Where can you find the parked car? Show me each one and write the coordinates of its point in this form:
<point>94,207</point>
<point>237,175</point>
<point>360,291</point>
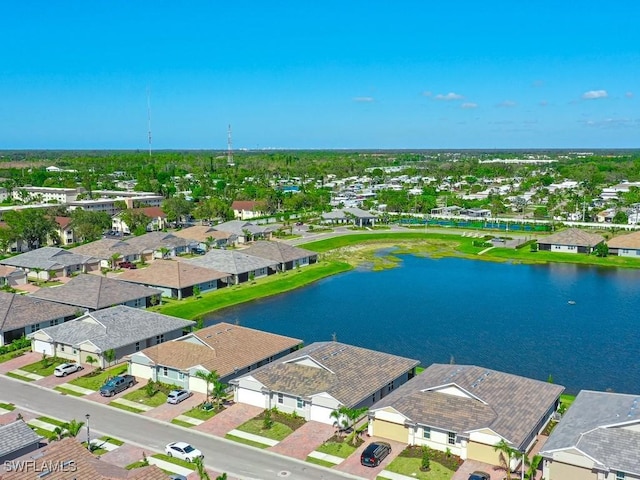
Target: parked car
<point>374,454</point>
<point>117,385</point>
<point>65,369</point>
<point>177,476</point>
<point>129,265</point>
<point>198,251</point>
<point>183,451</point>
<point>176,396</point>
<point>479,476</point>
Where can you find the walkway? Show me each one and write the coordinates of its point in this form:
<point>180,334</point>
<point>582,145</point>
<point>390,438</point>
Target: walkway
<point>168,412</point>
<point>230,418</point>
<point>304,440</point>
<point>19,362</point>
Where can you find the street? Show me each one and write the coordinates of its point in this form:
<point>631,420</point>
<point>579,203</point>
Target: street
<point>238,460</point>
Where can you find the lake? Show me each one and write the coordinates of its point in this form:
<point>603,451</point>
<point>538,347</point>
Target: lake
<point>513,318</point>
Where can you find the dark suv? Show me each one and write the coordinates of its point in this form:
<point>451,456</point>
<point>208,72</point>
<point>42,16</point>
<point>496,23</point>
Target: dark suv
<point>374,454</point>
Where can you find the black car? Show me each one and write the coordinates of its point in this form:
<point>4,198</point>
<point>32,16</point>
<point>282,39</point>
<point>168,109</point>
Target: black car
<point>374,454</point>
<point>479,476</point>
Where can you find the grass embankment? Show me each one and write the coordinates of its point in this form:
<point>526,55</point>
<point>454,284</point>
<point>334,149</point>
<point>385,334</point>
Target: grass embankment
<point>264,287</point>
<point>13,354</point>
<point>95,379</point>
<point>44,367</point>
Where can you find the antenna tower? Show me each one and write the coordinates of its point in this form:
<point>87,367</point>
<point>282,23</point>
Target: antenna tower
<point>149,118</point>
<point>230,162</point>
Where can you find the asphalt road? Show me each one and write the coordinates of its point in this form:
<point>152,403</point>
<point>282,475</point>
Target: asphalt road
<point>247,463</point>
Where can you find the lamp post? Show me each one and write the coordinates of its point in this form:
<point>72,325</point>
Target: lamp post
<point>88,432</point>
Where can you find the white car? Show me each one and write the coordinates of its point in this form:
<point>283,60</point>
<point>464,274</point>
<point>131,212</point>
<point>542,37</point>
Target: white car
<point>176,396</point>
<point>183,451</point>
<point>65,369</point>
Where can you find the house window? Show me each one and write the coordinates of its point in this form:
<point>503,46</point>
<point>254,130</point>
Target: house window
<point>159,338</point>
<point>62,348</point>
<point>55,321</point>
<point>34,328</point>
<point>451,440</point>
<point>300,402</point>
<point>389,386</point>
<point>619,475</point>
<point>137,346</point>
<point>280,398</point>
<point>165,371</point>
<point>181,375</point>
<point>426,432</point>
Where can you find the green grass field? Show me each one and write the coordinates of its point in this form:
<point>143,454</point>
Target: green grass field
<point>94,382</point>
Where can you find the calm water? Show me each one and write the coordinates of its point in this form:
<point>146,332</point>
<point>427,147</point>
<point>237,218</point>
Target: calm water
<point>513,318</point>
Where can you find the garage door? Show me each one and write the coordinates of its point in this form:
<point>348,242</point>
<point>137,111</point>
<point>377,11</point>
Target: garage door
<point>390,430</point>
<point>251,397</point>
<point>482,452</point>
<point>43,347</point>
<point>140,371</point>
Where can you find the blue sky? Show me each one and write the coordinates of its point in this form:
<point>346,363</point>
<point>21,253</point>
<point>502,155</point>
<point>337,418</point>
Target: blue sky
<point>332,74</point>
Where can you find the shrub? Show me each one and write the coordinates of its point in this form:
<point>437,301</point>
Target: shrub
<point>267,421</point>
<point>425,464</point>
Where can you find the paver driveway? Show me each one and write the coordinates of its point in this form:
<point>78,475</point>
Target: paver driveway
<point>304,440</point>
<point>352,464</point>
<point>230,418</point>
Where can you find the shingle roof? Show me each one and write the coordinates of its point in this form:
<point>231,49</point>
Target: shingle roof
<point>15,436</point>
<point>595,424</point>
<point>231,261</point>
<point>237,227</point>
<point>277,251</point>
<point>630,240</point>
<point>249,205</point>
<point>223,347</point>
<point>157,240</point>
<point>19,311</point>
<point>201,233</point>
<point>573,236</point>
<point>171,274</point>
<point>105,248</point>
<point>508,404</point>
<point>95,292</point>
<point>48,258</point>
<point>349,374</point>
<point>85,465</point>
<point>115,327</point>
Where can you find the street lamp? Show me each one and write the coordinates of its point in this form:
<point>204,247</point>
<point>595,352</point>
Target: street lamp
<point>88,432</point>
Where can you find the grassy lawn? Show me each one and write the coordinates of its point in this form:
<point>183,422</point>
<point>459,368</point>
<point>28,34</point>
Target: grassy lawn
<point>52,421</point>
<point>140,396</point>
<point>112,440</point>
<point>125,407</point>
<point>18,377</point>
<point>200,414</point>
<point>211,301</point>
<point>278,431</point>
<point>42,432</point>
<point>339,449</point>
<point>16,353</point>
<point>322,463</point>
<point>411,468</point>
<point>138,464</point>
<point>45,370</point>
<point>8,406</point>
<point>175,421</point>
<point>245,441</point>
<point>567,400</point>
<point>66,391</point>
<point>93,381</point>
<point>175,461</point>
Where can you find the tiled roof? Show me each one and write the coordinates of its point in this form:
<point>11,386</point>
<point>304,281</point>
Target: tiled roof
<point>595,424</point>
<point>508,404</point>
<point>277,251</point>
<point>115,327</point>
<point>63,222</point>
<point>48,258</point>
<point>231,261</point>
<point>15,436</point>
<point>6,270</point>
<point>573,236</point>
<point>105,248</point>
<point>85,465</point>
<point>95,292</point>
<point>630,241</point>
<point>349,374</point>
<point>151,212</point>
<point>19,311</point>
<point>171,274</point>
<point>223,347</point>
<point>201,233</point>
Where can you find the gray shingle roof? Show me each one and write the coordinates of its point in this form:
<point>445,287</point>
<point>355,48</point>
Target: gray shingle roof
<point>508,404</point>
<point>594,424</point>
<point>278,251</point>
<point>115,327</point>
<point>19,311</point>
<point>231,261</point>
<point>95,292</point>
<point>15,436</point>
<point>48,258</point>
<point>573,236</point>
<point>156,240</point>
<point>349,374</point>
<point>237,227</point>
<point>106,247</point>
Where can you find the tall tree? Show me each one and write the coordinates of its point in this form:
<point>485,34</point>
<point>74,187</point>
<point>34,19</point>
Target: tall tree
<point>176,208</point>
<point>32,225</point>
<point>209,378</point>
<point>88,226</point>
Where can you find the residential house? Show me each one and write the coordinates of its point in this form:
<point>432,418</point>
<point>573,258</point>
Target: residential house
<point>124,330</point>
<point>467,410</point>
<point>21,315</point>
<point>598,438</point>
<point>17,439</point>
<point>447,211</point>
<point>69,459</point>
<point>287,256</point>
<point>476,212</point>
<point>176,279</point>
<point>157,220</point>
<point>159,245</point>
<point>48,262</point>
<point>571,240</point>
<point>354,215</point>
<point>207,237</point>
<point>229,350</point>
<point>322,377</point>
<point>606,216</point>
<point>65,230</point>
<point>95,292</point>
<point>248,209</point>
<point>625,245</point>
<point>246,231</point>
<point>11,276</point>
<point>112,251</point>
<point>239,266</point>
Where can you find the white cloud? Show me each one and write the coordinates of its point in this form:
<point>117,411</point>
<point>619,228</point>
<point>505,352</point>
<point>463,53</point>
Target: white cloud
<point>629,94</point>
<point>469,105</point>
<point>593,94</point>
<point>363,99</point>
<point>507,104</point>
<point>449,96</point>
<point>612,123</point>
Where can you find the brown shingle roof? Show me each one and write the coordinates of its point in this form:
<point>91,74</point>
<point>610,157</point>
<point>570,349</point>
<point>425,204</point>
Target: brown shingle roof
<point>171,274</point>
<point>84,465</point>
<point>249,205</point>
<point>18,311</point>
<point>573,236</point>
<point>278,251</point>
<point>63,222</point>
<point>201,233</point>
<point>508,404</point>
<point>630,241</point>
<point>224,348</point>
<point>151,212</point>
<point>349,374</point>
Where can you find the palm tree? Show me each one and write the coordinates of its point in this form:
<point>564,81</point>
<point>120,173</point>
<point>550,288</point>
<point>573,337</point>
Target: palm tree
<point>164,251</point>
<point>209,377</point>
<point>201,469</point>
<point>218,391</point>
<point>341,422</point>
<point>114,260</point>
<point>70,429</point>
<point>222,477</point>
<point>507,452</point>
<point>534,463</point>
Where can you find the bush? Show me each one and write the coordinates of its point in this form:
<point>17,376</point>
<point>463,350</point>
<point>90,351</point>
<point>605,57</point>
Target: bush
<point>18,344</point>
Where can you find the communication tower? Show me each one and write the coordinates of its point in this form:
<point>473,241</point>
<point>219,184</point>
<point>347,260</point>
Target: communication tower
<point>149,118</point>
<point>230,162</point>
